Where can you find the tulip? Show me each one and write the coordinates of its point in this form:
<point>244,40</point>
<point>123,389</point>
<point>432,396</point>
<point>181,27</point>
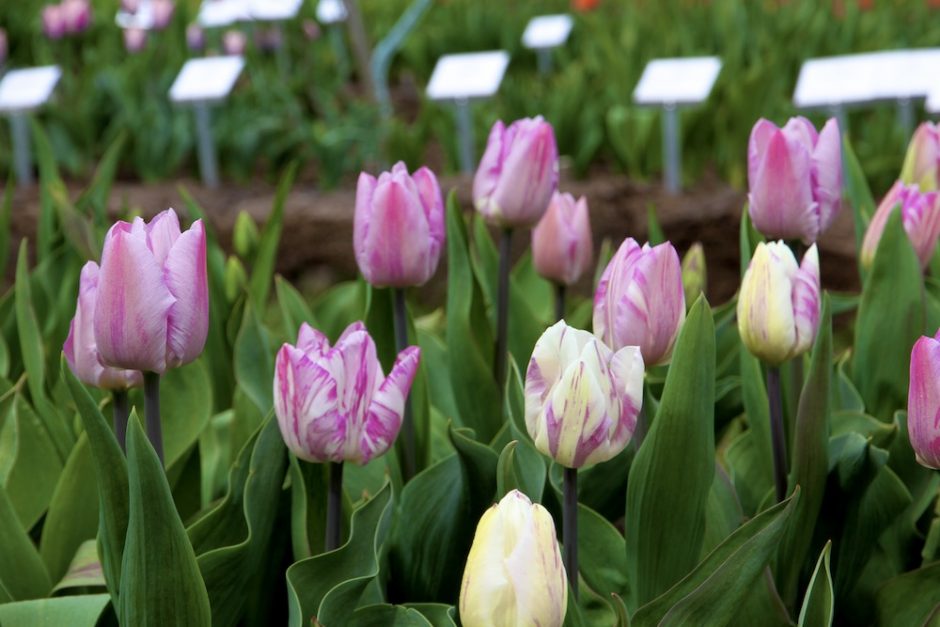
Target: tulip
<point>517,174</point>
<point>135,39</point>
<point>640,301</point>
<point>562,248</point>
<point>311,29</point>
<point>922,161</point>
<point>923,401</point>
<point>130,6</point>
<point>778,306</point>
<point>81,351</point>
<point>920,213</point>
<point>334,404</point>
<point>162,13</point>
<point>234,42</point>
<point>269,39</point>
<point>195,38</point>
<point>514,574</point>
<point>694,272</point>
<point>581,398</point>
<point>795,178</point>
<point>76,15</point>
<point>398,227</point>
<point>152,311</point>
<point>4,46</point>
<point>53,21</point>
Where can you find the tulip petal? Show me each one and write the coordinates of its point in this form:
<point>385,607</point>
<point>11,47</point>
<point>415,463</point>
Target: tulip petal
<point>185,275</point>
<point>388,405</point>
<point>827,173</point>
<point>765,308</point>
<point>162,232</point>
<point>305,402</point>
<point>311,341</point>
<point>781,199</point>
<point>806,301</point>
<point>923,403</point>
<point>489,170</point>
<point>626,372</point>
<point>878,222</point>
<point>433,202</point>
<point>396,245</point>
<point>362,220</point>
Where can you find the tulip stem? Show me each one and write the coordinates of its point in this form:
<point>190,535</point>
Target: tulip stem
<point>502,311</point>
<point>407,424</point>
<point>334,505</point>
<point>777,433</point>
<point>121,411</point>
<point>559,301</point>
<point>569,531</point>
<point>152,412</point>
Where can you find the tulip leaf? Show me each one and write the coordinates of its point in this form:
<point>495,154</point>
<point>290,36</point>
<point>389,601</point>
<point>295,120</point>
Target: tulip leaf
<point>748,239</point>
<point>912,598</point>
<point>856,192</point>
<point>468,338</point>
<point>819,602</point>
<point>673,471</point>
<point>254,364</point>
<point>22,572</point>
<point>294,309</point>
<point>84,571</point>
<point>185,408</point>
<point>161,583</point>
<point>654,231</point>
<point>6,214</point>
<point>94,199</point>
<point>757,408</point>
<point>83,610</point>
<point>262,271</point>
<point>312,582</point>
<point>894,290</point>
<point>48,174</point>
<point>384,615</point>
<point>438,614</point>
<point>338,306</point>
<point>601,555</point>
<point>528,467</point>
<point>712,592</point>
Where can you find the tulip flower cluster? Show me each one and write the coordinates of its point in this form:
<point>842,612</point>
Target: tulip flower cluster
<point>69,17</point>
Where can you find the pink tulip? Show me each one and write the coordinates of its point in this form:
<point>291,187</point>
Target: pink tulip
<point>80,349</point>
<point>76,15</point>
<point>398,227</point>
<point>640,300</point>
<point>795,178</point>
<point>53,21</point>
<point>923,401</point>
<point>152,312</point>
<point>922,161</point>
<point>195,38</point>
<point>162,13</point>
<point>135,39</point>
<point>920,213</point>
<point>518,173</point>
<point>562,248</point>
<point>334,404</point>
<point>130,6</point>
<point>234,42</point>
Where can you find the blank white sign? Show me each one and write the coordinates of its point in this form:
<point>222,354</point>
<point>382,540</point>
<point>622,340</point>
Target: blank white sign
<point>29,88</point>
<point>142,18</point>
<point>275,10</point>
<point>222,13</point>
<point>331,11</point>
<point>678,81</point>
<point>206,80</point>
<point>469,75</point>
<point>547,31</point>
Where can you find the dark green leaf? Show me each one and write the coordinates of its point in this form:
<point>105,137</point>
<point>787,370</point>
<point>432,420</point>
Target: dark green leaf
<point>76,611</point>
<point>22,573</point>
<point>819,602</point>
<point>254,361</point>
<point>262,271</point>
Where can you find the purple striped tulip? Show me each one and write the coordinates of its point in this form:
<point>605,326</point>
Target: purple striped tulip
<point>195,38</point>
<point>398,227</point>
<point>76,16</point>
<point>152,311</point>
<point>562,248</point>
<point>162,13</point>
<point>334,404</point>
<point>81,351</point>
<point>581,398</point>
<point>920,213</point>
<point>640,300</point>
<point>778,306</point>
<point>923,401</point>
<point>53,21</point>
<point>795,178</point>
<point>922,161</point>
<point>517,174</point>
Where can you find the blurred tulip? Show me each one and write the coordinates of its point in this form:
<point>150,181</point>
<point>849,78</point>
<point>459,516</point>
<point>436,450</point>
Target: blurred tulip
<point>235,280</point>
<point>76,16</point>
<point>517,174</point>
<point>778,306</point>
<point>694,273</point>
<point>581,398</point>
<point>245,235</point>
<point>398,227</point>
<point>923,401</point>
<point>234,42</point>
<point>195,38</point>
<point>135,39</point>
<point>922,161</point>
<point>152,311</point>
<point>53,21</point>
<point>920,213</point>
<point>514,573</point>
<point>640,301</point>
<point>81,351</point>
<point>562,248</point>
<point>130,6</point>
<point>311,29</point>
<point>4,46</point>
<point>162,13</point>
<point>795,178</point>
<point>269,39</point>
<point>334,404</point>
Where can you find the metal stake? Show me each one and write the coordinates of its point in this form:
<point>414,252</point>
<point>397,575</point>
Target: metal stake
<point>465,130</point>
<point>544,56</point>
<point>205,146</point>
<point>672,160</point>
<point>22,157</point>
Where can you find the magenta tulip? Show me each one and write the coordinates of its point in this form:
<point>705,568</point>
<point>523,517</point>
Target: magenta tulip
<point>795,178</point>
<point>152,311</point>
<point>562,248</point>
<point>398,227</point>
<point>53,21</point>
<point>333,404</point>
<point>162,13</point>
<point>923,401</point>
<point>195,38</point>
<point>920,213</point>
<point>76,16</point>
<point>234,42</point>
<point>135,39</point>
<point>517,174</point>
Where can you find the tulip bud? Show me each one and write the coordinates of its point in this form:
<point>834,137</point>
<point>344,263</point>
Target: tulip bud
<point>518,173</point>
<point>778,306</point>
<point>334,404</point>
<point>562,248</point>
<point>923,401</point>
<point>195,38</point>
<point>795,178</point>
<point>311,29</point>
<point>236,279</point>
<point>514,573</point>
<point>639,300</point>
<point>581,398</point>
<point>53,21</point>
<point>245,235</point>
<point>76,15</point>
<point>152,311</point>
<point>398,227</point>
<point>694,273</point>
<point>80,349</point>
<point>922,161</point>
<point>920,213</point>
<point>162,13</point>
<point>135,39</point>
<point>234,42</point>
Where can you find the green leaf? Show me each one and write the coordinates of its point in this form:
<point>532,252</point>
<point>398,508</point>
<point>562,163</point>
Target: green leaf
<point>294,309</point>
<point>22,573</point>
<point>893,291</point>
<point>527,471</point>
<point>654,232</point>
<point>84,571</point>
<point>185,408</point>
<point>819,602</point>
<point>857,192</point>
<point>76,611</point>
<point>602,557</point>
<point>438,614</point>
<point>254,362</point>
<point>6,213</point>
<point>384,615</point>
<point>95,196</point>
<point>48,176</point>
<point>757,408</point>
<point>161,582</point>
<point>262,271</point>
<point>912,598</point>
<point>673,471</point>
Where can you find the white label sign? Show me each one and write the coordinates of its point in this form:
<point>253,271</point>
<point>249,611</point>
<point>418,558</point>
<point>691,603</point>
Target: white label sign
<point>547,31</point>
<point>28,89</point>
<point>331,11</point>
<point>222,13</point>
<point>206,80</point>
<point>470,75</point>
<point>275,10</point>
<point>142,18</point>
<point>677,81</point>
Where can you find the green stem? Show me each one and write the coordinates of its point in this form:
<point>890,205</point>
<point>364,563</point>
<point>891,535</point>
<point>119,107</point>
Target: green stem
<point>152,412</point>
<point>121,412</point>
<point>570,528</point>
<point>334,506</point>
<point>407,424</point>
<point>777,432</point>
<point>559,301</point>
<point>502,311</point>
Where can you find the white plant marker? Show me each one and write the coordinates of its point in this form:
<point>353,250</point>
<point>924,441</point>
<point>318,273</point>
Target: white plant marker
<point>21,92</point>
<point>545,33</point>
